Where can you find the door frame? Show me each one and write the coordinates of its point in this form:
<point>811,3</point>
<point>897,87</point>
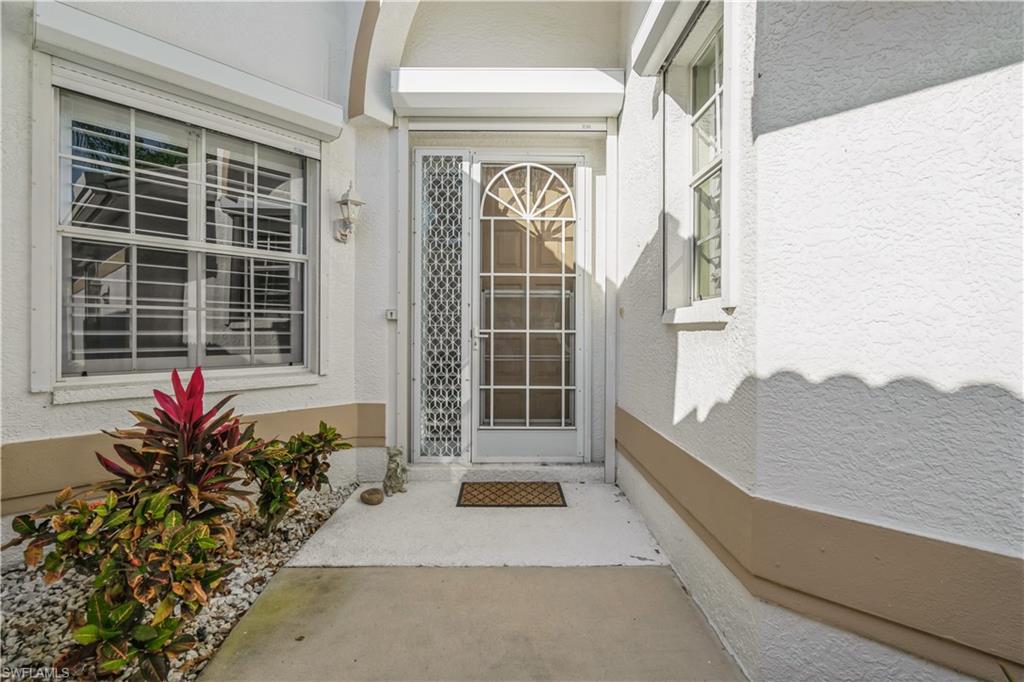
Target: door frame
<point>473,158</point>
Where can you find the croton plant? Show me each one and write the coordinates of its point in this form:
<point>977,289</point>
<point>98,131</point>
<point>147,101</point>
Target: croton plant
<point>286,468</point>
<point>157,539</point>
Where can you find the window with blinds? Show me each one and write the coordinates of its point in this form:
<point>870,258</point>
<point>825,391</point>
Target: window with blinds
<point>180,246</point>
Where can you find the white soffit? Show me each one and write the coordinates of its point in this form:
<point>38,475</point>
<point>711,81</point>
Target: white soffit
<point>73,34</point>
<point>658,32</point>
<point>487,92</point>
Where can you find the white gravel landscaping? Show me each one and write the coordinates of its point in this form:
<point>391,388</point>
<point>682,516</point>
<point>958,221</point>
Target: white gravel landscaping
<point>35,616</point>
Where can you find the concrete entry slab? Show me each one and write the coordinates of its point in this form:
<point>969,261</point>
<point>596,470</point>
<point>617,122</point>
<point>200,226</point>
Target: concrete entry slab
<point>516,623</point>
<point>423,527</point>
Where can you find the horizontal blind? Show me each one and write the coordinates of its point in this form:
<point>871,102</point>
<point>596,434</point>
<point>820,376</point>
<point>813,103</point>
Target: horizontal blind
<point>180,246</point>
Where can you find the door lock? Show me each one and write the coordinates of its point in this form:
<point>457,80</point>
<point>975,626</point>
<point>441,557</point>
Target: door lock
<point>476,335</point>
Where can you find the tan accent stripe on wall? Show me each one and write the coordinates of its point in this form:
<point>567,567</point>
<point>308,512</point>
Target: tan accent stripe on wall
<point>956,605</point>
<point>32,471</point>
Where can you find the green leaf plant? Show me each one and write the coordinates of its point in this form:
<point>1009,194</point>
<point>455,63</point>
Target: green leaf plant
<point>156,538</point>
<point>286,468</point>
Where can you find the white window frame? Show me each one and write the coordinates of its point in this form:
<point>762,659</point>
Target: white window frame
<point>49,76</point>
<point>686,311</point>
<point>699,175</point>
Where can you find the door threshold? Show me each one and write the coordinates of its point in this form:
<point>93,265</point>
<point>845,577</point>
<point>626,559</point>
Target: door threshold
<point>561,473</point>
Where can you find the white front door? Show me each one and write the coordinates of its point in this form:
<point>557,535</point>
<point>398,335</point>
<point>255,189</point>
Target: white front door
<point>526,349</point>
<point>497,308</point>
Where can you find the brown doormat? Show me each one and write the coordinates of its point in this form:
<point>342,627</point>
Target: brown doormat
<point>511,494</point>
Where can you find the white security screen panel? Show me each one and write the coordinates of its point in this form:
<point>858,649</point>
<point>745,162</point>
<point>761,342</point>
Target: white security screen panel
<point>441,356</point>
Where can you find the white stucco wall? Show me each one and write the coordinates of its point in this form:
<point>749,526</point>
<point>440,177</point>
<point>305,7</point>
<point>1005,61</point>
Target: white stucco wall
<point>873,367</point>
<point>303,45</point>
<point>508,34</point>
<point>889,265</point>
<point>309,35</point>
<point>798,649</point>
<point>691,386</point>
<point>373,269</point>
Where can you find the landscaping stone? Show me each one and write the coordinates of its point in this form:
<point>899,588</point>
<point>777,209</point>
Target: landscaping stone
<point>35,616</point>
<point>372,497</point>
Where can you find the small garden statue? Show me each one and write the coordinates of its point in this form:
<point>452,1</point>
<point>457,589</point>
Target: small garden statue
<point>396,474</point>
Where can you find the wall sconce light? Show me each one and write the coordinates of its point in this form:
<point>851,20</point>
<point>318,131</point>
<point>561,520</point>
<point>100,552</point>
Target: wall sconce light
<point>350,203</point>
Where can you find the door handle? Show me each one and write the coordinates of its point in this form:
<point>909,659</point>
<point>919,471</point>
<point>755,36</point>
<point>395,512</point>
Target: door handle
<point>476,335</point>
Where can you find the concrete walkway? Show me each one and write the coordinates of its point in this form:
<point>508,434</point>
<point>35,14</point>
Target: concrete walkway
<point>423,527</point>
<point>523,623</point>
<point>419,589</point>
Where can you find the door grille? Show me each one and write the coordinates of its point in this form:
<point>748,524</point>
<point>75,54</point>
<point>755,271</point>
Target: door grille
<point>441,308</point>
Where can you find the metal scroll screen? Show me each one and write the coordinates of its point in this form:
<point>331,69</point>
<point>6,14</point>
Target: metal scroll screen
<point>441,306</point>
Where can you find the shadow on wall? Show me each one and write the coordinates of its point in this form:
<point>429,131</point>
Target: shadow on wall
<point>903,454</point>
<point>858,53</point>
<point>948,464</point>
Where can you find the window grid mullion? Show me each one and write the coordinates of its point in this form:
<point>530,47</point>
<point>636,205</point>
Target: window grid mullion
<point>255,197</point>
<point>716,233</point>
<point>704,107</point>
<point>706,172</point>
<point>102,235</point>
<point>131,172</point>
<point>198,338</point>
<point>252,311</point>
<point>133,305</point>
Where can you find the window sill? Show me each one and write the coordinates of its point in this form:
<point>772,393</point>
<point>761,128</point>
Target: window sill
<point>104,388</point>
<point>699,316</point>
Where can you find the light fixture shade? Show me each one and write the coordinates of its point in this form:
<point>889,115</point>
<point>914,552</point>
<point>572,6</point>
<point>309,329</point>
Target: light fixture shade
<point>350,203</point>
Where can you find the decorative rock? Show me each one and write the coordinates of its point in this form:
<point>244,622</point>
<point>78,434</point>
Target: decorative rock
<point>373,496</point>
<point>396,475</point>
<point>35,628</point>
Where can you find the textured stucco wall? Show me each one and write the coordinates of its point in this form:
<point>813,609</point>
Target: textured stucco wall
<point>29,416</point>
<point>678,381</point>
<point>889,264</point>
<point>688,385</point>
<point>798,649</point>
<point>873,368</point>
<point>502,34</point>
<point>374,249</point>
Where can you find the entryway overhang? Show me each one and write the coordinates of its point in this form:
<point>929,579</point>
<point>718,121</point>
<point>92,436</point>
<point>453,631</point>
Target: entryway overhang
<point>507,92</point>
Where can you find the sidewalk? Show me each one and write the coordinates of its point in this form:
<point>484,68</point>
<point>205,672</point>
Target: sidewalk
<point>522,623</point>
<point>419,589</point>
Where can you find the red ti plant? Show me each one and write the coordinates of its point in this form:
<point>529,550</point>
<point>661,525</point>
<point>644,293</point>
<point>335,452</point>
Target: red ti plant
<point>156,541</point>
<point>193,454</point>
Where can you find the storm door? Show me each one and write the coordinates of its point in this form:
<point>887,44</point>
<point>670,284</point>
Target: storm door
<point>526,348</point>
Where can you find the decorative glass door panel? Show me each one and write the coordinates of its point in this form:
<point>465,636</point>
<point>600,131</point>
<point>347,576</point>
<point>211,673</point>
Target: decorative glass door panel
<point>525,337</point>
